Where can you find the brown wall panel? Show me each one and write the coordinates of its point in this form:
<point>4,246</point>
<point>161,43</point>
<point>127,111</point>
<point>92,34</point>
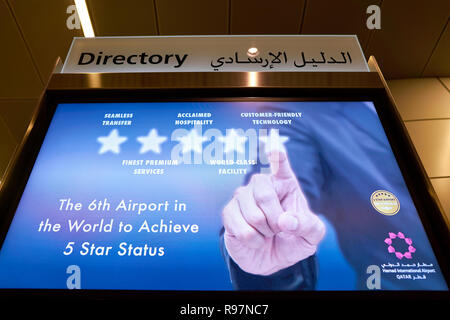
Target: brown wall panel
<point>439,63</point>
<point>409,32</point>
<point>184,17</point>
<point>44,26</point>
<point>338,17</point>
<point>7,146</point>
<point>123,18</point>
<point>266,17</point>
<point>17,115</point>
<point>19,78</point>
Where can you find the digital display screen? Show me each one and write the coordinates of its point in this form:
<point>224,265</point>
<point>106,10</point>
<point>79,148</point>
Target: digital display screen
<point>217,196</point>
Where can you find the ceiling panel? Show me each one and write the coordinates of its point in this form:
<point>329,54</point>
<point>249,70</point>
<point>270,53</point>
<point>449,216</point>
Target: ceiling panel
<point>17,115</point>
<point>421,98</point>
<point>123,18</point>
<point>409,32</point>
<point>432,141</point>
<point>263,17</point>
<point>19,78</point>
<point>44,27</point>
<point>442,188</point>
<point>439,63</point>
<point>196,17</point>
<point>338,17</point>
<point>446,82</point>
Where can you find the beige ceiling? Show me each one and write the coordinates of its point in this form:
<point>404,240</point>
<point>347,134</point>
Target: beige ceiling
<point>414,39</point>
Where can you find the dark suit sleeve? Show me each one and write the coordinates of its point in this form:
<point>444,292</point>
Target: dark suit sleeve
<point>304,156</point>
<point>300,276</point>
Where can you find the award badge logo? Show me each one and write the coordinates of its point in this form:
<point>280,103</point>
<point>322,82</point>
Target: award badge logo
<point>385,202</point>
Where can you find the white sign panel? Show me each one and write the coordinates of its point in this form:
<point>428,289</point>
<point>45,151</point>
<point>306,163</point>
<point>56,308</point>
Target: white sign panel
<point>215,54</point>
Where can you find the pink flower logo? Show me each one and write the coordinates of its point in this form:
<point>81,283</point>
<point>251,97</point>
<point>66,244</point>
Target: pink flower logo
<point>391,248</point>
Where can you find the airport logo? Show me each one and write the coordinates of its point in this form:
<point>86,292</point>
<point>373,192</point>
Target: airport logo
<point>385,202</point>
<point>400,241</point>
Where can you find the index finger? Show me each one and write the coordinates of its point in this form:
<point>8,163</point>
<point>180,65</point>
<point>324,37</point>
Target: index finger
<point>279,165</point>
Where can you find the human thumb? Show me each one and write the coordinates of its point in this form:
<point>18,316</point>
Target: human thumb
<point>287,222</point>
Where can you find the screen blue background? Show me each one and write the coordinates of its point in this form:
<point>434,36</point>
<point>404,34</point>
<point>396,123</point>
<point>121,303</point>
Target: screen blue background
<point>69,166</point>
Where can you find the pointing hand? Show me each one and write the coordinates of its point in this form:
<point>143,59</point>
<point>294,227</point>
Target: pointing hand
<point>268,223</point>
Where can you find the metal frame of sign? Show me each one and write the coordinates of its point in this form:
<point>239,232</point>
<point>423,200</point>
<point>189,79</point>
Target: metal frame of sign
<point>218,53</point>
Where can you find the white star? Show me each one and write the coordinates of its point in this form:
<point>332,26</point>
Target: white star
<point>111,142</point>
<point>274,142</point>
<point>192,141</point>
<point>151,142</point>
<point>233,141</point>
